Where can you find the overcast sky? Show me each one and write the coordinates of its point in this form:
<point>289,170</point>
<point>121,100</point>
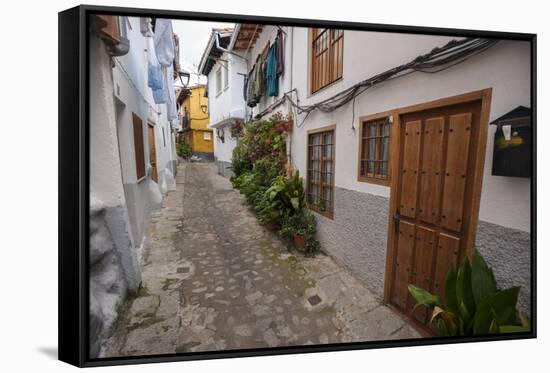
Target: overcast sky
<point>193,36</point>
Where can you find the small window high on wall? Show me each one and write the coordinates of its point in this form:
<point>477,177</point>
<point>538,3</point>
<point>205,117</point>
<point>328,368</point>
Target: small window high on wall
<point>374,151</point>
<point>327,57</point>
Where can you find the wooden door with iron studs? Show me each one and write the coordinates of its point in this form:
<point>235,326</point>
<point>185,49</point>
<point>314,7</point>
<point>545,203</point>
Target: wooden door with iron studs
<point>435,203</point>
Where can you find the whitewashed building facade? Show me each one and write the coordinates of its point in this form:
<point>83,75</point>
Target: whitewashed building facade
<point>132,164</point>
<point>225,70</point>
<point>356,225</point>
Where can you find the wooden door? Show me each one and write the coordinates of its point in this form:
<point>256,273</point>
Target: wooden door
<point>434,199</point>
<point>153,153</point>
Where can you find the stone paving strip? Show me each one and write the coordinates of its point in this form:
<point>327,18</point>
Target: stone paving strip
<point>214,279</point>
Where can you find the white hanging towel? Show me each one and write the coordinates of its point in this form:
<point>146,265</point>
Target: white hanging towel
<point>165,50</point>
<point>164,41</point>
<point>172,112</point>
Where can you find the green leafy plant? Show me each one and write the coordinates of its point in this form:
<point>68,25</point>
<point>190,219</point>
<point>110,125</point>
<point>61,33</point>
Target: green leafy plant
<point>288,193</point>
<point>284,197</point>
<point>258,165</point>
<point>302,224</point>
<point>184,150</point>
<point>473,304</point>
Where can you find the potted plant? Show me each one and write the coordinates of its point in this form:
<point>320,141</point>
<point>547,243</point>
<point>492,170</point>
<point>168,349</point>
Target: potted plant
<point>300,228</point>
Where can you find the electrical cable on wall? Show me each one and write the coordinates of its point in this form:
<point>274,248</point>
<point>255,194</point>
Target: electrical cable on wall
<point>438,59</point>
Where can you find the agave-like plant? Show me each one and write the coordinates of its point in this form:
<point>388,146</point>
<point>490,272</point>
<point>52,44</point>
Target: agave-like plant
<point>473,303</point>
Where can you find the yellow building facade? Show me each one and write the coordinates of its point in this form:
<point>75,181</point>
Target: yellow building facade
<point>195,111</point>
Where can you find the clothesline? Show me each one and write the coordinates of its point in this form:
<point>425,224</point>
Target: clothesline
<point>263,78</point>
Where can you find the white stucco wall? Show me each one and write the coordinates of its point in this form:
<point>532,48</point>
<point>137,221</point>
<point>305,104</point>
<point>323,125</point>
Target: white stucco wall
<point>505,68</point>
<point>132,95</point>
<point>136,97</point>
<point>224,150</point>
<point>105,176</point>
<point>228,103</point>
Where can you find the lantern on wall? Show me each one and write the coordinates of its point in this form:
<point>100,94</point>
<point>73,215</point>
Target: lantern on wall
<point>512,145</point>
<point>220,134</point>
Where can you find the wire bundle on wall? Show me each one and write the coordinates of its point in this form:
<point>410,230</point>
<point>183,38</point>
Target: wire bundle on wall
<point>438,59</point>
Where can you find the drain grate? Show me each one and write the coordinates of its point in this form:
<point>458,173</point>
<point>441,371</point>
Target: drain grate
<point>183,270</point>
<point>314,300</point>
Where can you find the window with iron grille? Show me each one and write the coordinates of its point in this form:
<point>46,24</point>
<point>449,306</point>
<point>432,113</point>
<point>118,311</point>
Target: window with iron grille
<point>327,57</point>
<point>320,172</point>
<point>374,151</point>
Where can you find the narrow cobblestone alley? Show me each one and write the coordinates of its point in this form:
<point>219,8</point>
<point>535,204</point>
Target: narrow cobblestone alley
<point>214,279</point>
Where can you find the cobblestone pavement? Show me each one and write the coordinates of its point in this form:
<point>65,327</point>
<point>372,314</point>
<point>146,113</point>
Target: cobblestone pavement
<point>213,279</point>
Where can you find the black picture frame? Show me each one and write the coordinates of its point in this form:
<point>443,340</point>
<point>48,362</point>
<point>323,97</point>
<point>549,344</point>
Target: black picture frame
<point>74,183</point>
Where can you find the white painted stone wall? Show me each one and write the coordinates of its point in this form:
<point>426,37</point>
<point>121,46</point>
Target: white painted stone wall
<point>133,92</point>
<point>134,96</point>
<point>223,151</point>
<point>226,104</point>
<point>112,261</point>
<point>505,68</point>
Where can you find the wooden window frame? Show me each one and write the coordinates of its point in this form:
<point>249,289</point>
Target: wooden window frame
<point>138,122</point>
<point>334,77</point>
<point>329,213</point>
<point>374,179</point>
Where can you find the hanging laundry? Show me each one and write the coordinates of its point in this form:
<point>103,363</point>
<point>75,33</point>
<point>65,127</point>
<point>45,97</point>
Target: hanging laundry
<point>171,107</point>
<point>280,43</point>
<point>165,51</point>
<point>154,70</point>
<point>272,78</point>
<point>245,88</point>
<point>258,79</point>
<point>251,100</point>
<point>164,41</point>
<point>145,26</point>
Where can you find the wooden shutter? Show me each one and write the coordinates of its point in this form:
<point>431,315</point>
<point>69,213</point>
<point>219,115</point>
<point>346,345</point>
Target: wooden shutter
<point>138,146</point>
<point>327,54</point>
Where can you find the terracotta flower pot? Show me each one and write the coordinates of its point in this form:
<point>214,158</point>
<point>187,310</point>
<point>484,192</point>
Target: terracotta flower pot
<point>299,242</point>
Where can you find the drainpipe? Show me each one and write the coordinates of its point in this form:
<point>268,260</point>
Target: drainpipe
<point>289,147</point>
